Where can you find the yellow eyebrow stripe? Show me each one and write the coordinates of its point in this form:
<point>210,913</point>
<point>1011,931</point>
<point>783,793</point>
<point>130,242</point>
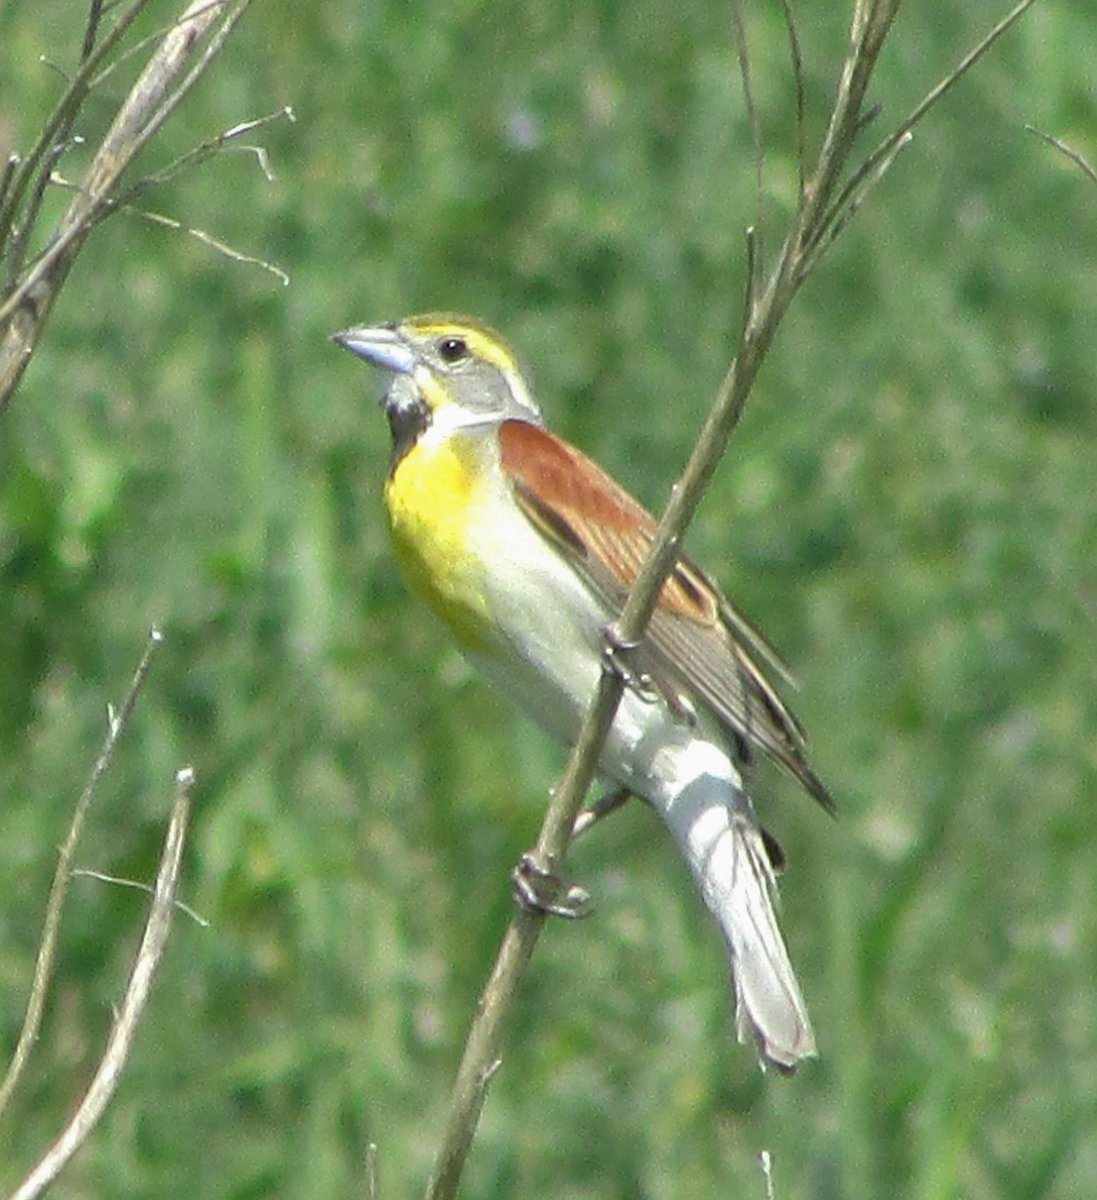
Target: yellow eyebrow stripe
<point>488,350</point>
<point>485,344</point>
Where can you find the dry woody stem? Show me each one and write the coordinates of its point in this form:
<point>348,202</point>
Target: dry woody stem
<point>117,720</point>
<point>184,53</point>
<point>109,1072</point>
<point>829,197</point>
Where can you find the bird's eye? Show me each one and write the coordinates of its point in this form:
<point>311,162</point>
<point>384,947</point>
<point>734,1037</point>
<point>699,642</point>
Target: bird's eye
<point>453,349</point>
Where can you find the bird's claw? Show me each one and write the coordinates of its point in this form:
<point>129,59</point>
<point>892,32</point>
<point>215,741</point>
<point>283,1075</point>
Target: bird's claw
<point>615,654</point>
<point>538,889</point>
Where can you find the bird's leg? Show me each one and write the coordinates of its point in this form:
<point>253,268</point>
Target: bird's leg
<point>616,652</point>
<point>602,807</point>
<point>538,888</point>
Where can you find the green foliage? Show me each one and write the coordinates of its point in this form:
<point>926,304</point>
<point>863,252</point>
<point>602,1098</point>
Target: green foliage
<point>909,509</point>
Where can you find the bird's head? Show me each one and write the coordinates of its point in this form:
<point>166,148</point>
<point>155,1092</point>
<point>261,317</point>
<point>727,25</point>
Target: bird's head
<point>442,370</point>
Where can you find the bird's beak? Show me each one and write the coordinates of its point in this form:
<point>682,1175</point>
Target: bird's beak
<point>380,345</point>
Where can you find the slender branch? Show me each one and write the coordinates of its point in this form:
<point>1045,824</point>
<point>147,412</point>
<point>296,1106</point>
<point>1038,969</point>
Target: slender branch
<point>120,1042</point>
<point>209,149</point>
<point>63,115</point>
<point>47,948</point>
<point>742,51</point>
<point>372,1188</point>
<point>797,57</point>
<point>151,100</point>
<point>598,811</point>
<point>800,253</point>
<point>876,163</point>
<point>22,232</point>
<point>765,1161</point>
<point>137,885</point>
<point>872,19</point>
<point>91,29</point>
<point>1068,151</point>
<point>125,200</point>
<point>141,44</point>
<point>7,178</point>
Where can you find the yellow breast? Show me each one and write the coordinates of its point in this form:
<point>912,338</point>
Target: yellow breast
<point>432,497</point>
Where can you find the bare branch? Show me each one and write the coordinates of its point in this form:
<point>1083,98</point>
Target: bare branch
<point>21,233</point>
<point>751,276</point>
<point>765,1161</point>
<point>599,810</point>
<point>212,147</point>
<point>126,201</point>
<point>150,102</point>
<point>870,24</point>
<point>742,51</point>
<point>7,176</point>
<point>1066,150</point>
<point>872,19</point>
<point>200,235</point>
<point>60,121</point>
<point>137,885</point>
<point>798,78</point>
<point>372,1190</point>
<point>47,948</point>
<point>120,1042</point>
<point>877,163</point>
<point>91,29</point>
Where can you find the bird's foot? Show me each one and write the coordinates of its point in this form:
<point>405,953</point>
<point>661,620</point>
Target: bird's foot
<point>602,807</point>
<point>540,890</point>
<point>616,652</point>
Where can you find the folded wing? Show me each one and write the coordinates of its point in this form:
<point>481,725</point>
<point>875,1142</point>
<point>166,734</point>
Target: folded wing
<point>698,647</point>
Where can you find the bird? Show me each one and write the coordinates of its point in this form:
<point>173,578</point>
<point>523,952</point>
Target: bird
<point>526,550</point>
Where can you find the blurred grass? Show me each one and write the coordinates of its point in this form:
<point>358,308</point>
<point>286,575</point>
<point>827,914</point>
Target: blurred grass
<point>909,509</point>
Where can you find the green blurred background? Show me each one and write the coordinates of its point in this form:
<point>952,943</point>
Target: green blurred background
<point>909,509</point>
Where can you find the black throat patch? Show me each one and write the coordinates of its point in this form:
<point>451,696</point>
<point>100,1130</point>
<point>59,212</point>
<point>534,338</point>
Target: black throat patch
<point>406,422</point>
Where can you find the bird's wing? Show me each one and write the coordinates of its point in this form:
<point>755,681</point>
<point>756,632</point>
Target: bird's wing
<point>698,647</point>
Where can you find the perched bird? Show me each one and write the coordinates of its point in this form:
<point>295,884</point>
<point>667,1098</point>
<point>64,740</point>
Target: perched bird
<point>526,550</point>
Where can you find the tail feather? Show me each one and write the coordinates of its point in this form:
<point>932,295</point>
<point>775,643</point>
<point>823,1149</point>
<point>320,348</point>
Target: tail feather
<point>770,1008</point>
<point>715,826</point>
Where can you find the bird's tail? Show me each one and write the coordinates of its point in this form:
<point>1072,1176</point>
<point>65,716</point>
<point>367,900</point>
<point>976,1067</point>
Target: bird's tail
<point>716,828</point>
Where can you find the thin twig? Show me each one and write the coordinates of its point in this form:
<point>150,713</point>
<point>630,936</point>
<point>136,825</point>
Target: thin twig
<point>60,120</point>
<point>47,948</point>
<point>137,885</point>
<point>598,811</point>
<point>150,102</point>
<point>149,39</point>
<point>109,1072</point>
<point>1066,150</point>
<point>7,175</point>
<point>871,21</point>
<point>200,235</point>
<point>797,57</point>
<point>742,51</point>
<point>213,146</point>
<point>876,163</point>
<point>21,233</point>
<point>91,29</point>
<point>126,201</point>
<point>752,274</point>
<point>372,1190</point>
<point>765,1161</point>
